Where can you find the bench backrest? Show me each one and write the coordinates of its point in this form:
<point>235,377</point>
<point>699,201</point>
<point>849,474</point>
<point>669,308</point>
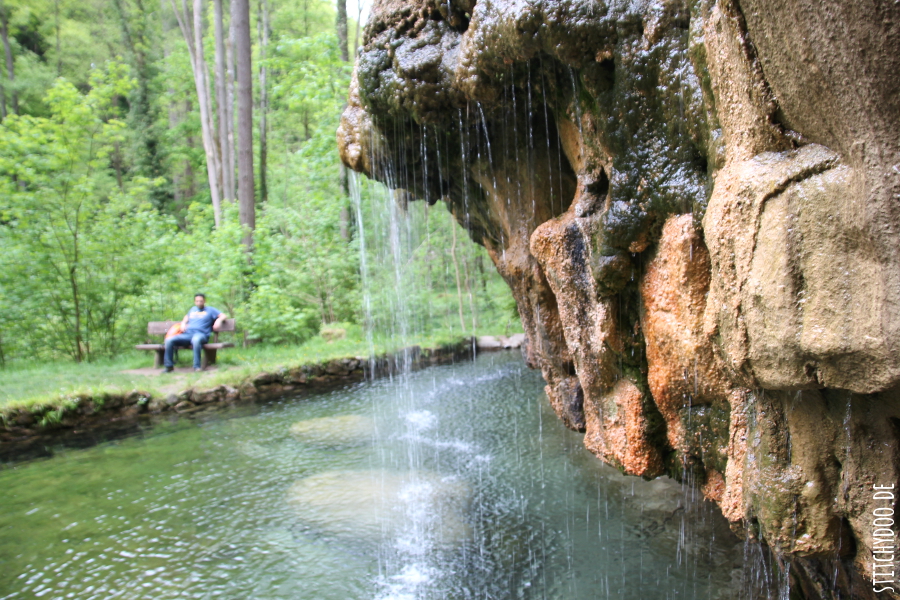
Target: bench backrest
<point>161,327</point>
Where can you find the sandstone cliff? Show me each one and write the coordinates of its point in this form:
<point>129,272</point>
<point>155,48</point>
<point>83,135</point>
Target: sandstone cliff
<point>696,204</point>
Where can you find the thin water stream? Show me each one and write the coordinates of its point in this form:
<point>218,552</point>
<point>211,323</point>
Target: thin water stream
<point>453,482</point>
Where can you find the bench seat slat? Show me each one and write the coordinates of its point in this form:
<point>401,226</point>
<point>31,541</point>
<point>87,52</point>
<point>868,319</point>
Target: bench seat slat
<point>215,346</point>
<point>161,327</point>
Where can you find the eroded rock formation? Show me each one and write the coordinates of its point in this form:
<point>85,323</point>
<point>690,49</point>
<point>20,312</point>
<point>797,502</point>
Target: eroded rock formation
<point>696,204</point>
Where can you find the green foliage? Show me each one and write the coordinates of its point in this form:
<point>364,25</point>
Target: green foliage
<point>105,215</point>
<point>87,242</point>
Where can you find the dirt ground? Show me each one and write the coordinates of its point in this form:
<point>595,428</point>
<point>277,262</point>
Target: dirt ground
<point>174,382</point>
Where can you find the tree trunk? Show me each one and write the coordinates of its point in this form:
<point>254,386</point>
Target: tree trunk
<point>222,105</point>
<point>143,114</point>
<point>231,163</point>
<point>459,294</point>
<point>58,47</point>
<point>193,35</point>
<point>468,284</point>
<point>263,31</point>
<point>345,209</point>
<point>341,24</point>
<point>243,49</point>
<point>190,182</point>
<point>76,296</point>
<point>175,117</point>
<point>117,163</point>
<point>359,6</point>
<point>10,63</point>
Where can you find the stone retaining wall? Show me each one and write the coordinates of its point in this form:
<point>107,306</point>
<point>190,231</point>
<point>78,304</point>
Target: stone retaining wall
<point>23,428</point>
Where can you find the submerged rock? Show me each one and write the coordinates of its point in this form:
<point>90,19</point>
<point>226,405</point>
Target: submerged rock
<point>335,431</point>
<point>371,505</point>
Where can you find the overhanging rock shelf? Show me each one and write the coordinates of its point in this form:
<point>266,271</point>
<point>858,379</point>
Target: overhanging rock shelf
<point>695,205</point>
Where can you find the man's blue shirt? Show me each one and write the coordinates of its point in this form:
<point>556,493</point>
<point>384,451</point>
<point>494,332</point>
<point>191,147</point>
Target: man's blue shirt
<point>201,321</point>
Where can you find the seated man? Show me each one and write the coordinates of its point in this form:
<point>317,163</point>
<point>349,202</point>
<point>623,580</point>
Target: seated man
<point>200,321</point>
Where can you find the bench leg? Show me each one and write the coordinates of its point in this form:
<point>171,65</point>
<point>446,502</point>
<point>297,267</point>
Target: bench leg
<point>209,357</point>
<point>158,359</point>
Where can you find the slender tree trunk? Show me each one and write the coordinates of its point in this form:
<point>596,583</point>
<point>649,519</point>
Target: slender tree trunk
<point>243,49</point>
<point>143,114</point>
<point>117,165</point>
<point>479,262</point>
<point>341,24</point>
<point>192,29</point>
<point>175,117</point>
<point>222,105</point>
<point>358,25</point>
<point>468,284</point>
<point>262,22</point>
<point>231,163</point>
<point>177,176</point>
<point>58,47</point>
<point>459,294</point>
<point>76,298</point>
<point>190,183</point>
<point>345,208</point>
<point>201,76</point>
<point>10,63</point>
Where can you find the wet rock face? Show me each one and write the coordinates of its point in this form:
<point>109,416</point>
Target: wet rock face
<point>695,203</point>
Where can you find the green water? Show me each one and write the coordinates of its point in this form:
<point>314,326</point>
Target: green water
<point>454,482</point>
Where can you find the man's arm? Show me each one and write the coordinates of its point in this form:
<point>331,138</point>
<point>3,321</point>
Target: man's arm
<point>184,322</point>
<point>218,322</point>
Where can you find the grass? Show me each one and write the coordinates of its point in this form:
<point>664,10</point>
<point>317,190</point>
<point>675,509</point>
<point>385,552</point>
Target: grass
<point>32,384</point>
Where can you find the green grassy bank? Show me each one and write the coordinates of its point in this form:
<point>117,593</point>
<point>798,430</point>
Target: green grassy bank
<point>35,385</point>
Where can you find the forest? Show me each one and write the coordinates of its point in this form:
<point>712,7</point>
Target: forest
<point>153,150</point>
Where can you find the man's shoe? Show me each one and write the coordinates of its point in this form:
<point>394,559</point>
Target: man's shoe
<point>169,369</point>
<point>196,370</point>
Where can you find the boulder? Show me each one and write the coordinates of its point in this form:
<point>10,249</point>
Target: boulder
<point>488,342</point>
<point>368,506</point>
<point>516,340</point>
<point>335,431</point>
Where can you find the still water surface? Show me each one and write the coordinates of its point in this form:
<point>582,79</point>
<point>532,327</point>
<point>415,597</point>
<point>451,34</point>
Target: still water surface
<point>451,483</point>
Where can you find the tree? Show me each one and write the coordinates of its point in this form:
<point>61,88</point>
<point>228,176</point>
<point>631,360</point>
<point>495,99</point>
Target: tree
<point>88,244</point>
<point>243,50</point>
<point>262,25</point>
<point>10,63</point>
<point>341,26</point>
<point>140,39</point>
<point>223,98</point>
<point>191,25</point>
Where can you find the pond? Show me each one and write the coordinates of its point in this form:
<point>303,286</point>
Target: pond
<point>453,482</point>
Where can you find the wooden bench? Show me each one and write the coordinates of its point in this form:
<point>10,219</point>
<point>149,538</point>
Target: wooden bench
<point>209,349</point>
